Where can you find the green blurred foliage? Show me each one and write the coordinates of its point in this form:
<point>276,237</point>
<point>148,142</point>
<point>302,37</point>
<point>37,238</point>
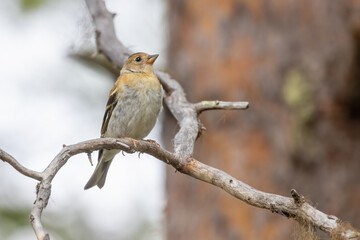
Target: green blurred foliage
<point>299,96</point>
<point>31,4</point>
<point>11,219</point>
<point>68,226</point>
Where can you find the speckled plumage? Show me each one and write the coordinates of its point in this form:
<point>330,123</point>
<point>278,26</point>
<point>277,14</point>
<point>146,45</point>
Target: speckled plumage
<point>133,106</point>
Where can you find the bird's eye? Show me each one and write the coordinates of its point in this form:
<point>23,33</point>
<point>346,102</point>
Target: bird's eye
<point>138,59</point>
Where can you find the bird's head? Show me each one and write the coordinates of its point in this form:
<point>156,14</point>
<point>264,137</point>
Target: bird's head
<point>139,63</point>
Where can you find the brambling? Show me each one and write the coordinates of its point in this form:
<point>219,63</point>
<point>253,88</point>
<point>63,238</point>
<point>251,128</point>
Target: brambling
<point>134,104</point>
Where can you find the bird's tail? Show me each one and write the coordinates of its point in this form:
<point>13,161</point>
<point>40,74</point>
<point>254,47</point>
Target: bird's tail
<point>99,176</point>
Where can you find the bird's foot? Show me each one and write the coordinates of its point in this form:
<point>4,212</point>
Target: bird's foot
<point>153,141</point>
<point>134,142</point>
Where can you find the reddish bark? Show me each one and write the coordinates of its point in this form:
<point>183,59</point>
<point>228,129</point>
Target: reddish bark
<point>297,63</point>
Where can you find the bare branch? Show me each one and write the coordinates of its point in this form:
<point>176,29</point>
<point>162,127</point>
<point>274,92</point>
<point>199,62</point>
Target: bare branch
<point>299,200</point>
<point>83,147</point>
<point>20,168</point>
<point>212,105</point>
<point>284,206</point>
<point>43,191</point>
<point>90,159</point>
<point>184,113</point>
<point>106,40</point>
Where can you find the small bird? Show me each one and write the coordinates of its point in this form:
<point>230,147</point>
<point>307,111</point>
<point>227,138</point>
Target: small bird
<point>134,104</point>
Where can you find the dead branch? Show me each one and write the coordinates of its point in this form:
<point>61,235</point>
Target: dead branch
<point>21,169</point>
<point>213,105</point>
<point>285,206</point>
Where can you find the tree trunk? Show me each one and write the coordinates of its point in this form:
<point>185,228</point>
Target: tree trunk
<point>297,63</point>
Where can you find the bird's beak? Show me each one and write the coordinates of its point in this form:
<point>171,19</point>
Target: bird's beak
<point>151,59</point>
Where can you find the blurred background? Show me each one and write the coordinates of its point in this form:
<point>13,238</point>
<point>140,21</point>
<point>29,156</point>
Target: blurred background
<point>296,62</point>
<point>53,91</point>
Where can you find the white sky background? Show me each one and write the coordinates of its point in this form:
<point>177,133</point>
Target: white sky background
<point>48,99</point>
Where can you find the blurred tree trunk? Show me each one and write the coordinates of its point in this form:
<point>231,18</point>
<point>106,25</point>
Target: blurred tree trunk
<point>298,64</point>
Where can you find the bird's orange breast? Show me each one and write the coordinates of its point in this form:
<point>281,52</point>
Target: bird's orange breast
<point>139,81</point>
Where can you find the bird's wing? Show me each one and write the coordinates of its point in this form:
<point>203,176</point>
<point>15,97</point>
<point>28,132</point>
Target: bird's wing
<point>110,106</point>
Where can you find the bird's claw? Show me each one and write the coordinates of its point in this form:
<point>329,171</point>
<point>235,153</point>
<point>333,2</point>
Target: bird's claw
<point>133,141</point>
<point>153,141</point>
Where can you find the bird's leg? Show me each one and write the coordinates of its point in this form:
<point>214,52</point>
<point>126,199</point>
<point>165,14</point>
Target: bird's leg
<point>153,141</point>
<point>134,142</point>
